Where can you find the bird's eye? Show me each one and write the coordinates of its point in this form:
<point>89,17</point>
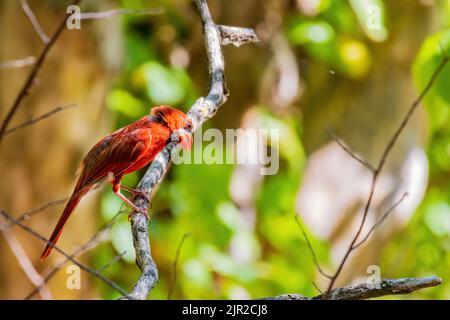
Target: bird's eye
<point>188,125</point>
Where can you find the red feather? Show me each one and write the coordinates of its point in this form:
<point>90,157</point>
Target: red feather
<point>121,152</point>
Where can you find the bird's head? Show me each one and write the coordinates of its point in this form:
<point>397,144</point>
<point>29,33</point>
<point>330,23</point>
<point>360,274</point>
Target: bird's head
<point>176,121</point>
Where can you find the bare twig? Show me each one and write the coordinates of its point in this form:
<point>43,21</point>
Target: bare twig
<point>28,214</point>
<point>317,287</point>
<point>173,279</point>
<point>311,249</point>
<point>26,265</point>
<point>236,35</point>
<point>113,260</point>
<point>18,63</point>
<point>31,77</point>
<point>365,291</point>
<point>350,152</point>
<point>69,257</point>
<point>99,237</point>
<point>40,118</point>
<point>378,223</point>
<point>380,167</point>
<point>37,27</point>
<point>115,12</point>
<point>202,110</point>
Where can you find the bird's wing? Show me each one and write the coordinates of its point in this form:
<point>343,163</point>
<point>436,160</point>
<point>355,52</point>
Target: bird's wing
<point>115,153</point>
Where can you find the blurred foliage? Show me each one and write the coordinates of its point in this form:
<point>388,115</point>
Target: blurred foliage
<point>196,199</point>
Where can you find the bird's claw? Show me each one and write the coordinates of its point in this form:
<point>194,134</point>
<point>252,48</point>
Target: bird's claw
<point>138,193</point>
<point>139,210</point>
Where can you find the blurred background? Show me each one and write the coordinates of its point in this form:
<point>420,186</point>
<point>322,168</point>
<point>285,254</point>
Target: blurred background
<point>321,64</point>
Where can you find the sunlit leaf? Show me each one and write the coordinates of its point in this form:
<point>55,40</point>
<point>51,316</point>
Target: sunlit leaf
<point>164,85</point>
<point>122,101</point>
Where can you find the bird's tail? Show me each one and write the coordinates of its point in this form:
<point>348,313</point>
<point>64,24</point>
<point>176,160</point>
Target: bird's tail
<point>70,206</point>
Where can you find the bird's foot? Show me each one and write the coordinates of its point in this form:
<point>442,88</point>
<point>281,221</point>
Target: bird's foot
<point>136,192</point>
<point>137,209</point>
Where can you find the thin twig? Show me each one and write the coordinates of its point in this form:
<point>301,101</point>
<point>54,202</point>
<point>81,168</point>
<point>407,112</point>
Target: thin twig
<point>350,152</point>
<point>100,236</point>
<point>317,287</point>
<point>80,265</point>
<point>34,21</point>
<point>25,264</point>
<point>31,77</point>
<point>113,260</point>
<point>115,12</point>
<point>380,167</point>
<point>40,118</point>
<point>18,63</point>
<point>383,218</point>
<point>173,279</point>
<point>28,214</point>
<point>310,247</point>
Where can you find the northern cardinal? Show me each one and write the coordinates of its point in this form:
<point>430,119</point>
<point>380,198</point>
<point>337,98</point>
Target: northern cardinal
<point>124,151</point>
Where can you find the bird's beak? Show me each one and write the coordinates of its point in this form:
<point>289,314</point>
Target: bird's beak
<point>186,140</point>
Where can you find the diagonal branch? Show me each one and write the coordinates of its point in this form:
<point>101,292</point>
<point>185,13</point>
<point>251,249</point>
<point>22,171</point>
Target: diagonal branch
<point>34,21</point>
<point>100,236</point>
<point>28,214</point>
<point>350,152</point>
<point>69,257</point>
<point>379,222</point>
<point>40,118</point>
<point>376,173</point>
<point>25,264</point>
<point>31,77</point>
<point>311,250</point>
<point>173,278</point>
<point>203,109</point>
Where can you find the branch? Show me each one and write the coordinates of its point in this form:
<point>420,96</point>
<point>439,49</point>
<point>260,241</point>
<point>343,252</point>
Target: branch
<point>37,27</point>
<point>365,291</point>
<point>69,257</point>
<point>31,77</point>
<point>18,63</point>
<point>113,260</point>
<point>383,218</point>
<point>311,250</point>
<point>203,109</point>
<point>376,173</point>
<point>28,214</point>
<point>115,12</point>
<point>40,118</point>
<point>99,237</point>
<point>236,36</point>
<point>350,152</point>
<point>26,265</point>
<point>173,279</point>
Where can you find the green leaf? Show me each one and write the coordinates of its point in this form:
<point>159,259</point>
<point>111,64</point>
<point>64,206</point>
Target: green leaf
<point>164,85</point>
<point>315,32</point>
<point>122,101</point>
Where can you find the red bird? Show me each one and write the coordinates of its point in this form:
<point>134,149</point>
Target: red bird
<point>124,151</point>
